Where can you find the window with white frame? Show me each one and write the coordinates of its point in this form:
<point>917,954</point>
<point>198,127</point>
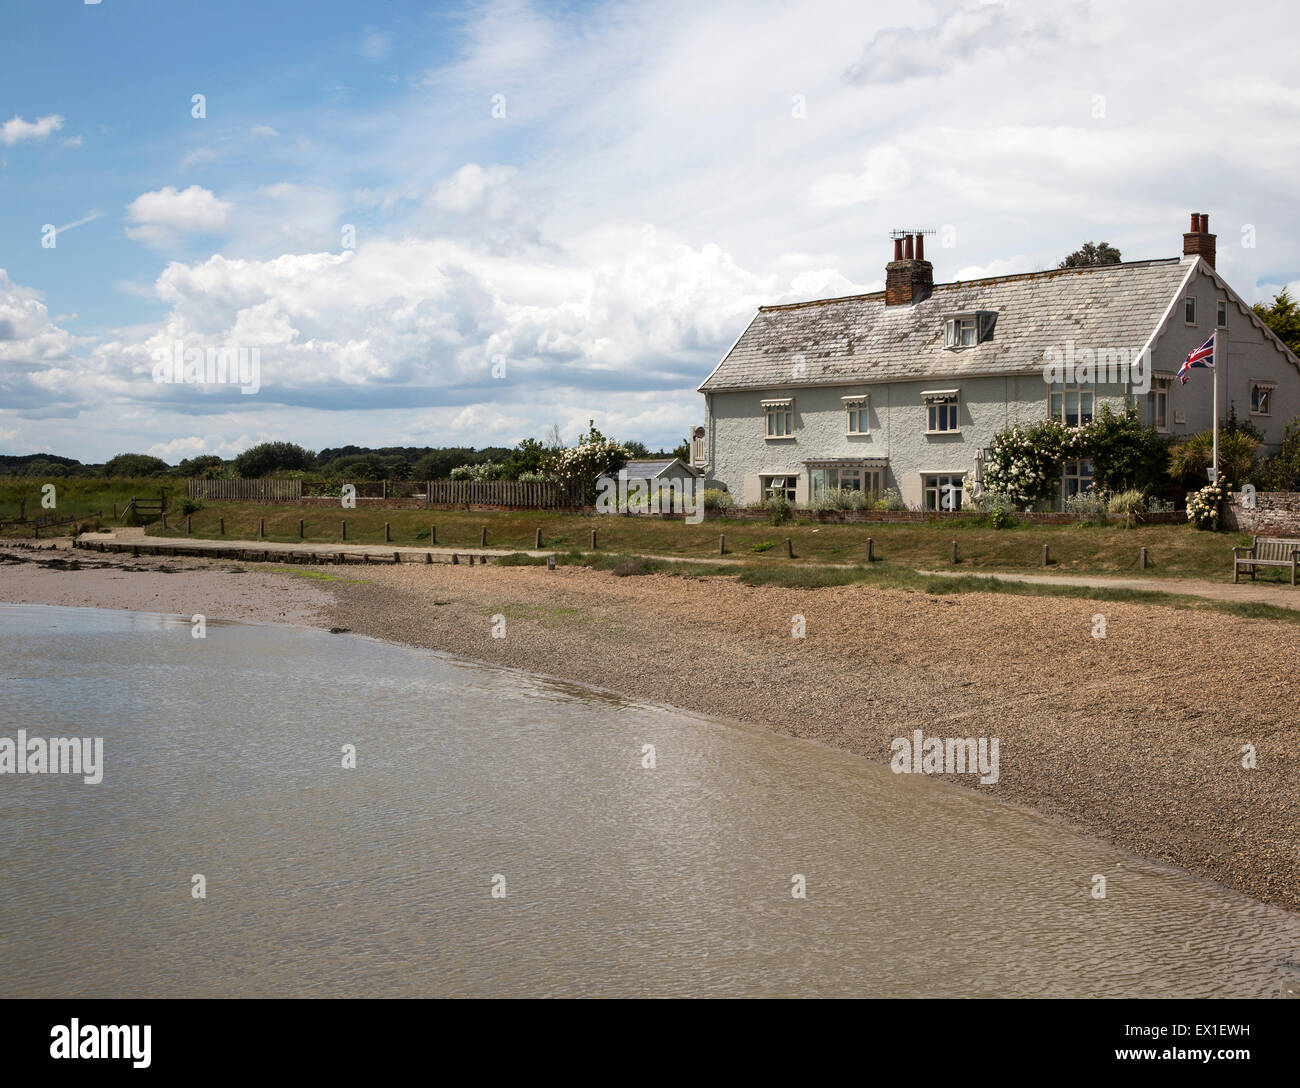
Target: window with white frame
<point>1071,404</point>
<point>941,411</point>
<point>943,491</point>
<point>1158,404</point>
<point>848,476</point>
<point>780,418</point>
<point>1189,310</point>
<point>857,412</point>
<point>779,485</point>
<point>967,330</point>
<point>1077,478</point>
<point>1261,399</point>
<point>1221,318</point>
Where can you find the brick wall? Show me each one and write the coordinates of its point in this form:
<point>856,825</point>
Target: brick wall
<point>1276,513</point>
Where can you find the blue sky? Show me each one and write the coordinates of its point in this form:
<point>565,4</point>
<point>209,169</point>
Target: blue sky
<point>387,199</point>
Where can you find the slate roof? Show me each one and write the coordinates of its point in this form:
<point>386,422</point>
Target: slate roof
<point>860,339</point>
<point>648,470</point>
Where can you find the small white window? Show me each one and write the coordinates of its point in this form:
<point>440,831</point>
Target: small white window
<point>1222,317</point>
<point>941,411</point>
<point>1158,401</point>
<point>961,332</point>
<point>783,486</point>
<point>858,415</point>
<point>780,418</point>
<point>943,492</point>
<point>1261,399</point>
<point>1189,310</point>
<point>1071,404</point>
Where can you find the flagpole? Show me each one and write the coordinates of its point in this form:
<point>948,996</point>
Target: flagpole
<point>1214,358</point>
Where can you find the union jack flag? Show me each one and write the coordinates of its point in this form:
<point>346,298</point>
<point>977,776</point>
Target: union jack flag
<point>1202,356</point>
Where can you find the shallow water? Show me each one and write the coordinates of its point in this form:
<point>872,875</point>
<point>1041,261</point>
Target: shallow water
<point>223,757</point>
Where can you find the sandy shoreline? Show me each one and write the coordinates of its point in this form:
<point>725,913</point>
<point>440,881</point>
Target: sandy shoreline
<point>1136,738</point>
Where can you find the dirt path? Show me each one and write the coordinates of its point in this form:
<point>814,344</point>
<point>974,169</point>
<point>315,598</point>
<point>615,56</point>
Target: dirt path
<point>1246,592</point>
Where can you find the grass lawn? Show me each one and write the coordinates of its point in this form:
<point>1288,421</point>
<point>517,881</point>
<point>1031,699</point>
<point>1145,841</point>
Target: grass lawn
<point>1174,551</point>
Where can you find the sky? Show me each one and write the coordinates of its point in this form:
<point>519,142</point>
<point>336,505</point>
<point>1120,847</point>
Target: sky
<point>437,224</point>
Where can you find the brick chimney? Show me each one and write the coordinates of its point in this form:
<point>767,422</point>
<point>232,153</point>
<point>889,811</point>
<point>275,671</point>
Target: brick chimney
<point>1198,241</point>
<point>909,277</point>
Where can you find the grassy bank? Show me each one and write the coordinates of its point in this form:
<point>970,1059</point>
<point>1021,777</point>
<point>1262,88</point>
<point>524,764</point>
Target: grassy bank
<point>1174,551</point>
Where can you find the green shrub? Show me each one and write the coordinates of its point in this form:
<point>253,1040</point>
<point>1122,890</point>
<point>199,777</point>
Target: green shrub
<point>715,498</point>
<point>778,509</point>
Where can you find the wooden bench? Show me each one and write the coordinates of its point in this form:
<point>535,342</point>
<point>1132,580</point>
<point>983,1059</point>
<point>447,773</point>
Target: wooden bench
<point>1267,551</point>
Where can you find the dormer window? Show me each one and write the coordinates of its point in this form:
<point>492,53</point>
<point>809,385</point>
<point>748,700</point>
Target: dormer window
<point>967,330</point>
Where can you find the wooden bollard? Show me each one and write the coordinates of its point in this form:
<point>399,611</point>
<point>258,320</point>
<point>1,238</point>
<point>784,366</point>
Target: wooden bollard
<point>593,539</point>
<point>221,526</point>
<point>1047,554</point>
<point>300,528</point>
<point>455,559</point>
<point>550,562</point>
<point>345,530</point>
<point>428,557</point>
<point>433,534</point>
<point>954,551</point>
<point>871,550</point>
<point>164,521</point>
<point>388,533</point>
<point>471,559</point>
<point>1142,559</point>
<point>538,541</point>
<point>482,538</point>
<point>789,548</point>
<point>187,524</point>
<point>261,526</point>
<point>397,557</point>
<point>722,543</point>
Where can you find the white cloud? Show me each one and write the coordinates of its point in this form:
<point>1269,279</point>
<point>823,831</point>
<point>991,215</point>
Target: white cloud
<point>165,213</point>
<point>16,128</point>
<point>73,141</point>
<point>263,132</point>
<point>375,45</point>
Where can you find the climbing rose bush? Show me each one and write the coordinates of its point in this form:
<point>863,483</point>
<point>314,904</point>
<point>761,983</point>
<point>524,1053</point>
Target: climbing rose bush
<point>1025,461</point>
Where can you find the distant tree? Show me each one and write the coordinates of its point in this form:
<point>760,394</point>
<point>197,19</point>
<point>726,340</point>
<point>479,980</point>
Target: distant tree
<point>1282,315</point>
<point>206,466</point>
<point>636,449</point>
<point>1092,253</point>
<point>683,451</point>
<point>359,466</point>
<point>527,457</point>
<point>136,464</point>
<point>39,466</point>
<point>1281,472</point>
<point>268,457</point>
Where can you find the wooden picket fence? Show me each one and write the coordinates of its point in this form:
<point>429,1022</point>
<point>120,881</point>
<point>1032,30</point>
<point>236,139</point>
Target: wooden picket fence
<point>242,490</point>
<point>532,496</point>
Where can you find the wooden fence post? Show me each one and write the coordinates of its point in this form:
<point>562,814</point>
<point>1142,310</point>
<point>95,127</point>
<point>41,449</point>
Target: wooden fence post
<point>1142,560</point>
<point>433,534</point>
<point>789,548</point>
<point>722,543</point>
<point>261,526</point>
<point>187,524</point>
<point>388,534</point>
<point>221,526</point>
<point>538,542</point>
<point>593,539</point>
<point>345,529</point>
<point>871,550</point>
<point>482,538</point>
<point>1047,554</point>
<point>954,551</point>
<point>300,534</point>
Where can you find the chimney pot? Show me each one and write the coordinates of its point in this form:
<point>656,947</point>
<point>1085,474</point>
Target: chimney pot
<point>907,247</point>
<point>898,249</point>
<point>1205,222</point>
<point>1196,223</point>
<point>920,247</point>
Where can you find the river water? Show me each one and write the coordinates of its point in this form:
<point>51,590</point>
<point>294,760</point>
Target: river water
<point>223,757</point>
